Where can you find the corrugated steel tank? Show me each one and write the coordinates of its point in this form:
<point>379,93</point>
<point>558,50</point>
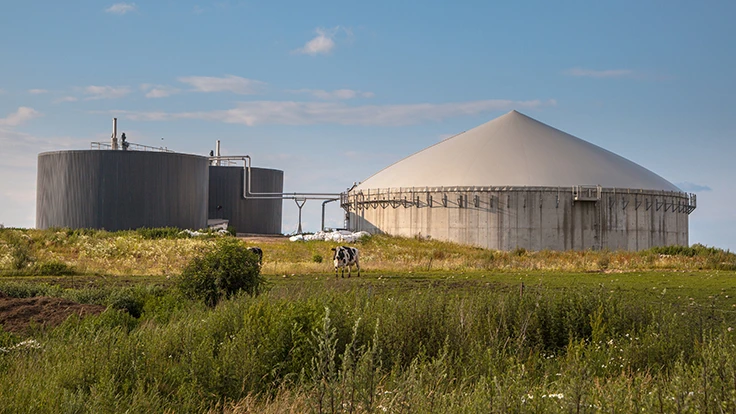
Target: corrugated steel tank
<point>535,218</point>
<point>246,215</point>
<point>121,190</point>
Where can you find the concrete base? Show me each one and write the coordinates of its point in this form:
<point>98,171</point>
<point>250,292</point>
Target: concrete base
<point>534,218</point>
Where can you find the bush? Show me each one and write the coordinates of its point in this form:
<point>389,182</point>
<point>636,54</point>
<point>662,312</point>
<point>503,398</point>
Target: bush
<point>317,258</point>
<point>54,268</point>
<point>126,300</point>
<point>160,233</point>
<point>221,272</point>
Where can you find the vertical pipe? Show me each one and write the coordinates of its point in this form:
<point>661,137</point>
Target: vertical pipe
<point>114,143</point>
<point>217,152</point>
<point>323,211</point>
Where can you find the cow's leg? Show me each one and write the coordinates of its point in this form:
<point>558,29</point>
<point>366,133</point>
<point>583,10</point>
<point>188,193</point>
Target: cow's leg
<point>350,268</point>
<point>335,272</point>
<point>357,265</point>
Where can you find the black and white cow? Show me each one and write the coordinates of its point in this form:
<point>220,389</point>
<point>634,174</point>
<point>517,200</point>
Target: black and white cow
<point>258,252</point>
<point>345,256</point>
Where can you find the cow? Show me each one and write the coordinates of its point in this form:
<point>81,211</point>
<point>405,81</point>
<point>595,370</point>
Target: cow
<point>258,252</point>
<point>345,256</point>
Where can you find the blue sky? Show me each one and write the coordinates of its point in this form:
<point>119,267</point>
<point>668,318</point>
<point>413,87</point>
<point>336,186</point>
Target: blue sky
<point>331,92</point>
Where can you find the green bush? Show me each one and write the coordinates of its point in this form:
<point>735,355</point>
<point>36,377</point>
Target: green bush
<point>126,300</point>
<point>54,268</point>
<point>160,233</point>
<point>221,272</point>
<point>317,258</point>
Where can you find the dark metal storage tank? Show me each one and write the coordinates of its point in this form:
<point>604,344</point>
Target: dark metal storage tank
<point>120,190</point>
<point>246,215</point>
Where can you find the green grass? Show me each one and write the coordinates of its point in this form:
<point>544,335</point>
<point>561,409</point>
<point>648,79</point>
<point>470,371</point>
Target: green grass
<point>428,327</point>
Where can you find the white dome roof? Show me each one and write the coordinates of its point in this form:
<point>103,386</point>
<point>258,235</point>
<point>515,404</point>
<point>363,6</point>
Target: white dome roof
<point>516,150</point>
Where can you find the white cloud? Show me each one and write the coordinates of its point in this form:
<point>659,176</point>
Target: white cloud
<point>310,113</point>
<point>600,74</point>
<point>67,99</point>
<point>121,8</point>
<point>229,83</point>
<point>37,91</point>
<point>20,116</point>
<point>158,91</point>
<point>2,91</point>
<point>321,44</point>
<point>338,94</point>
<point>105,92</point>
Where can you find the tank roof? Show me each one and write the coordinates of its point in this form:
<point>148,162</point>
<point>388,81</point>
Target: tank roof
<point>516,150</point>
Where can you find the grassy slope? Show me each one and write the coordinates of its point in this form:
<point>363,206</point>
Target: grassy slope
<point>611,331</point>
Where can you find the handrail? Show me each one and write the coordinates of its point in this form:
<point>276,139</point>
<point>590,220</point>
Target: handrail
<point>131,147</point>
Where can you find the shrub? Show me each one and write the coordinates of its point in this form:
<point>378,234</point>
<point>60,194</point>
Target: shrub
<point>317,258</point>
<point>54,268</point>
<point>127,301</point>
<point>222,271</point>
<point>160,233</point>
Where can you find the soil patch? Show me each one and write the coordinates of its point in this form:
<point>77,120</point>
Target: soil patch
<point>18,315</point>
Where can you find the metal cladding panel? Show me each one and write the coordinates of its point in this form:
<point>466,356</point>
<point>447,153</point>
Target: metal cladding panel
<point>251,215</point>
<point>121,190</point>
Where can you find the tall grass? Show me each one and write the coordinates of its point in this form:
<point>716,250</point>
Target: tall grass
<point>162,252</point>
<point>311,349</point>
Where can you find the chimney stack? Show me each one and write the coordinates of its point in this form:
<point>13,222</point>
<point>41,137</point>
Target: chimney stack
<point>114,143</point>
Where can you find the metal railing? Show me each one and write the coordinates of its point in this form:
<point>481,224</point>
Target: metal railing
<point>131,147</point>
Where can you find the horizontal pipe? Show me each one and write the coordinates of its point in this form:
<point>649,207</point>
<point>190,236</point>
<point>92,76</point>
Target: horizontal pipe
<point>247,193</point>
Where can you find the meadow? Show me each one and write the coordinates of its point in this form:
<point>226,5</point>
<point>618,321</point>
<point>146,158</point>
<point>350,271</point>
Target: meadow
<point>428,327</point>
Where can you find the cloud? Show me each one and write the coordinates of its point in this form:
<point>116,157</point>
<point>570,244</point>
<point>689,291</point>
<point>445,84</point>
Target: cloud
<point>105,92</point>
<point>322,44</point>
<point>67,99</point>
<point>338,94</point>
<point>37,91</point>
<point>158,91</point>
<point>311,113</point>
<point>688,186</point>
<point>229,83</point>
<point>601,74</point>
<point>121,8</point>
<point>20,116</point>
<point>2,91</point>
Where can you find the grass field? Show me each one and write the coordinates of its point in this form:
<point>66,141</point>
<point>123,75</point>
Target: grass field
<point>428,327</point>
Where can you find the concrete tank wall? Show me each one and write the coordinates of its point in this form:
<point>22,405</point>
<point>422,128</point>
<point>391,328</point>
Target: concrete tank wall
<point>535,218</point>
<point>120,190</point>
<point>251,215</point>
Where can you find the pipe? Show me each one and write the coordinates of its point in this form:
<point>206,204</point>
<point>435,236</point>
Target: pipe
<point>247,193</point>
<point>217,151</point>
<point>323,211</point>
<point>114,143</point>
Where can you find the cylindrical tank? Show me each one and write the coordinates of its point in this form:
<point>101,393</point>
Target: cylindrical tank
<point>246,215</point>
<point>535,218</point>
<point>121,190</point>
<point>515,182</point>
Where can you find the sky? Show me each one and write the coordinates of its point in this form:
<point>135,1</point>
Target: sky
<point>332,91</point>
